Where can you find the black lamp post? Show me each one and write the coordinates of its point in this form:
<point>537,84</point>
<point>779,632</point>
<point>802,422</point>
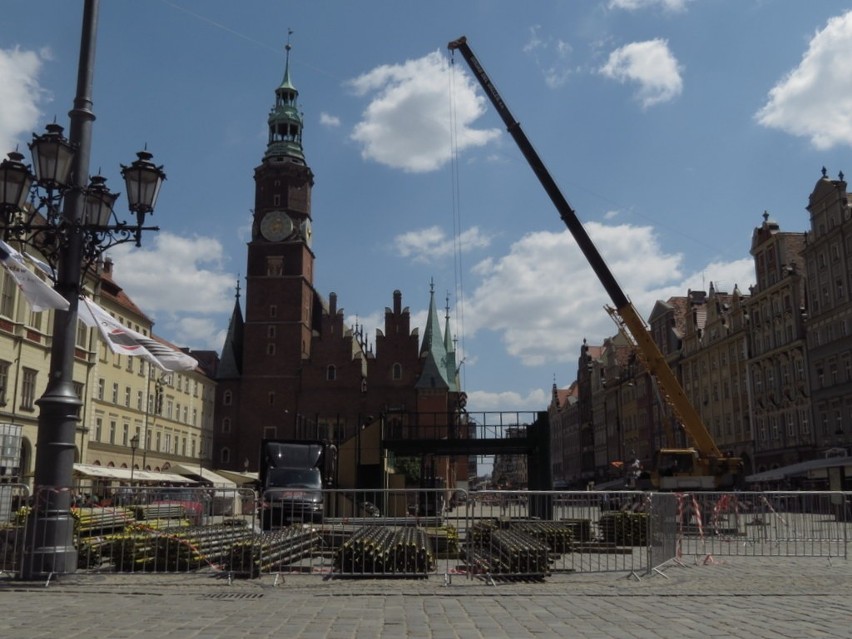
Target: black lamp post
<point>67,221</point>
<point>134,444</point>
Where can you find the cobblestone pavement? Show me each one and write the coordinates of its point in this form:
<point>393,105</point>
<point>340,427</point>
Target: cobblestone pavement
<point>773,598</point>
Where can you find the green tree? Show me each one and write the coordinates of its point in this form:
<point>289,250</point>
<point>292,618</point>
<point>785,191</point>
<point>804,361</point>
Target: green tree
<point>410,467</point>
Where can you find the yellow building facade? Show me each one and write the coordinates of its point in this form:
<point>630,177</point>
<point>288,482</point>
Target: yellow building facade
<point>133,414</point>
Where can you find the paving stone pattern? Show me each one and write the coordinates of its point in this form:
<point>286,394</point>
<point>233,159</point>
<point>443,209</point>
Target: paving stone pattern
<point>704,598</point>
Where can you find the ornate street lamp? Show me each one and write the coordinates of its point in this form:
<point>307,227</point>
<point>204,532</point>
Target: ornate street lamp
<point>70,222</point>
<point>134,444</point>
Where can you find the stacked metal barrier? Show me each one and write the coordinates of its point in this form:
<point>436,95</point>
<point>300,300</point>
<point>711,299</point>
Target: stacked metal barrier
<point>382,551</point>
<point>272,551</point>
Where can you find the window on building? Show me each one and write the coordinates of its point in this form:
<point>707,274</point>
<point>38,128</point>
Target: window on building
<point>127,393</point>
<point>35,320</point>
<point>97,433</point>
<point>140,400</point>
<point>4,382</point>
<point>159,440</point>
<point>275,266</point>
<point>112,428</point>
<point>397,371</point>
<point>115,392</point>
<point>270,348</point>
<point>168,442</point>
<point>28,389</point>
<point>270,331</point>
<point>331,373</point>
<point>7,296</point>
<point>227,398</point>
<point>125,434</point>
<point>803,422</point>
<point>273,311</point>
<point>225,456</point>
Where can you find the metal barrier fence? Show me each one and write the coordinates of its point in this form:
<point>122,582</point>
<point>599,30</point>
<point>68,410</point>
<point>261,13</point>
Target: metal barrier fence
<point>488,535</point>
<point>765,524</point>
<point>13,498</point>
<point>583,531</point>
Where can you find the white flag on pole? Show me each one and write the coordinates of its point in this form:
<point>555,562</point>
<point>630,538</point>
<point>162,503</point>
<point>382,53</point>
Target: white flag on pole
<point>37,292</point>
<point>126,341</point>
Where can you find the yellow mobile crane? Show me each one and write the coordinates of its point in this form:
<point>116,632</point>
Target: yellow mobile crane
<point>701,467</point>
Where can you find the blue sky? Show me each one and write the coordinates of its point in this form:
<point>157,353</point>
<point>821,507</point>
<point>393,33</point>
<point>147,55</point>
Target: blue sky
<point>670,125</point>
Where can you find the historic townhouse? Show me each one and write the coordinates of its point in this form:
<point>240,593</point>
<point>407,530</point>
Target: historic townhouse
<point>780,400</point>
<point>828,263</point>
<point>122,422</point>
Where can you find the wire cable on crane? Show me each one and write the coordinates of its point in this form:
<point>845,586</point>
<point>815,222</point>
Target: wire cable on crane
<point>458,273</point>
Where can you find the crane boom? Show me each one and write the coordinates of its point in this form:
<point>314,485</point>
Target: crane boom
<point>624,313</point>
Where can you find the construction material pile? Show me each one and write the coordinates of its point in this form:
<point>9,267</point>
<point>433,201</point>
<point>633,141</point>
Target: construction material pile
<point>558,536</point>
<point>141,549</point>
<point>385,551</point>
<point>500,550</point>
<point>93,528</point>
<point>271,551</point>
<point>624,528</point>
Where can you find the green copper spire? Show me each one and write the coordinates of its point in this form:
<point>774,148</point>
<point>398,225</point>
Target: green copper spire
<point>285,121</point>
<point>433,350</point>
<point>450,348</point>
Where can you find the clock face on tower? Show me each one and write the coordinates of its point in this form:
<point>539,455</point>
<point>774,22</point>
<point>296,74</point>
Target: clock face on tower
<point>276,226</point>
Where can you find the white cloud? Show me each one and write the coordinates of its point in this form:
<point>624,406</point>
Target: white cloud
<point>508,400</point>
<point>815,99</point>
<point>20,94</point>
<point>649,64</point>
<point>635,5</point>
<point>428,244</point>
<point>179,282</point>
<point>543,297</point>
<point>552,57</point>
<point>329,120</point>
<point>407,124</point>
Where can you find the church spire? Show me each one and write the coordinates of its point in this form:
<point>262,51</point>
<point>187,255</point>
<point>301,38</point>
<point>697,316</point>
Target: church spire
<point>230,364</point>
<point>433,349</point>
<point>450,349</point>
<point>285,120</point>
